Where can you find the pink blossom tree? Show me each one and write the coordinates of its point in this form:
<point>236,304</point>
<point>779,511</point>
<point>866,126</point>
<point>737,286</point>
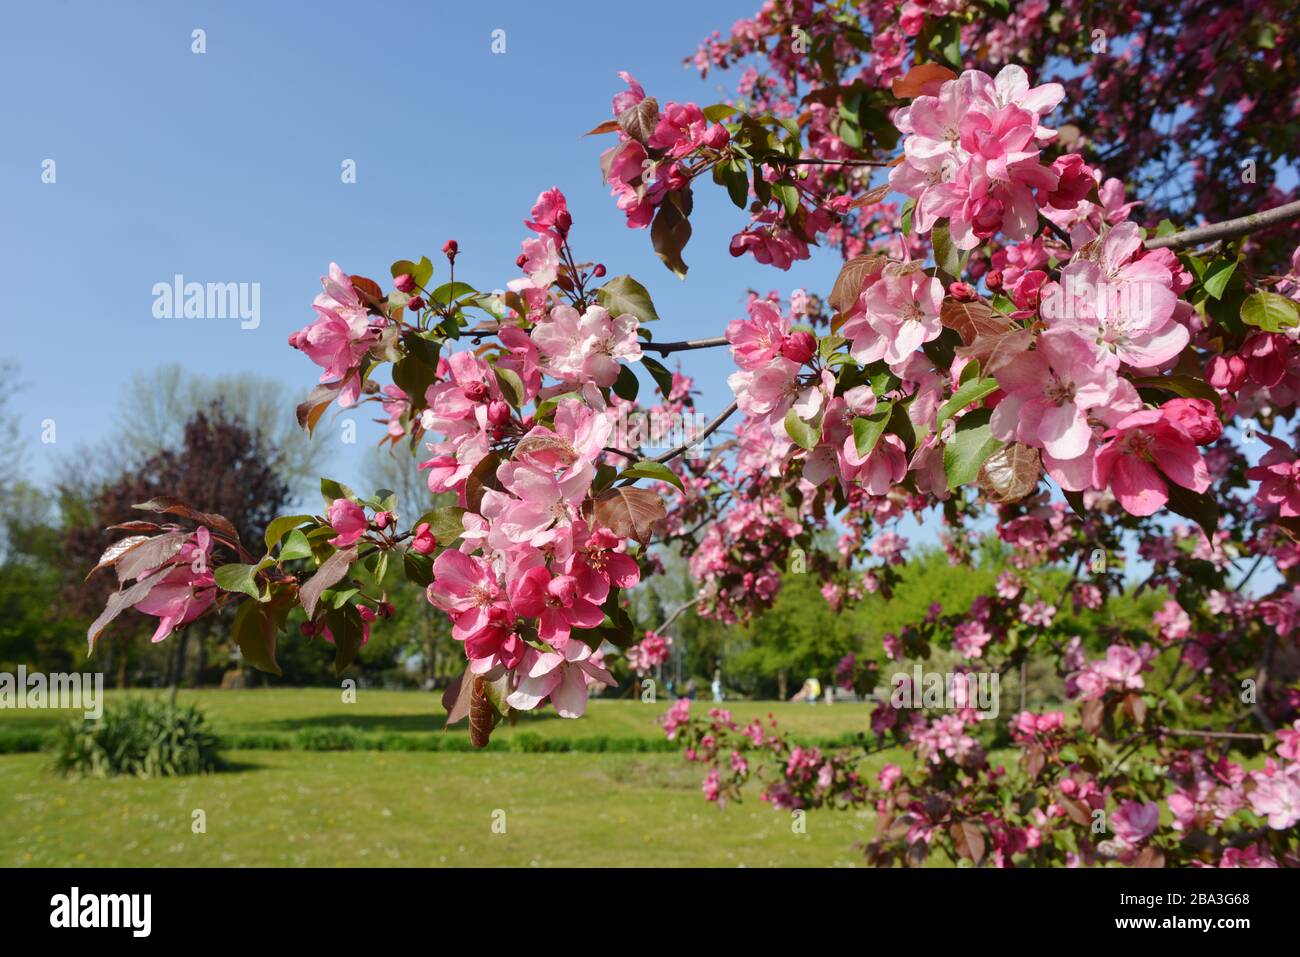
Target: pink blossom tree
<point>1010,335</point>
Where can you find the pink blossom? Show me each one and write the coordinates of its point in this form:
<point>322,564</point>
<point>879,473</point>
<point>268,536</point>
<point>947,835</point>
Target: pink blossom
<point>348,519</point>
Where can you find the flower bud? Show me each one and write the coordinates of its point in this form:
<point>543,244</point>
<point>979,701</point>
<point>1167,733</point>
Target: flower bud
<point>994,280</point>
<point>498,412</point>
<point>563,221</point>
<point>366,613</point>
<point>423,541</point>
<point>416,304</point>
<point>962,292</point>
<point>1195,418</point>
<point>383,519</point>
<point>405,282</point>
<point>450,248</point>
<point>599,271</point>
<point>799,347</point>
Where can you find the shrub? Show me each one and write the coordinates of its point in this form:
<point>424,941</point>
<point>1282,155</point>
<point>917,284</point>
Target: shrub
<point>343,738</point>
<point>141,737</point>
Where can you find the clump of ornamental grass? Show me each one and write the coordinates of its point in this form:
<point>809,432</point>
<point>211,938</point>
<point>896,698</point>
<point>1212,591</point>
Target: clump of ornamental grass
<point>141,737</point>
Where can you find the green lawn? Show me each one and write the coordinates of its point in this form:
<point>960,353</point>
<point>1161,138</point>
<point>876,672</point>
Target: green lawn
<point>388,808</point>
<point>291,709</point>
<point>382,809</point>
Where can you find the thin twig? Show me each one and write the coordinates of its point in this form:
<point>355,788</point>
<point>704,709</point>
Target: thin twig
<point>1057,231</point>
<point>664,348</point>
<point>708,430</point>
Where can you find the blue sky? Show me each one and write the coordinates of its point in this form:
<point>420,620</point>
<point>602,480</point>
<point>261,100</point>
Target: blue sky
<point>225,167</point>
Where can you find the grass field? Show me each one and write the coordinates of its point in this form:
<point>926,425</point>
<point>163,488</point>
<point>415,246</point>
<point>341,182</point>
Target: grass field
<point>274,710</point>
<point>297,808</point>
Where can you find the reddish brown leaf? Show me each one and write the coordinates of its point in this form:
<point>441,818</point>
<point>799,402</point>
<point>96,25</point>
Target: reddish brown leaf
<point>1076,810</point>
<point>1035,758</point>
<point>609,126</point>
<point>639,121</point>
<point>1149,857</point>
<point>970,320</point>
<point>455,699</point>
<point>114,552</point>
<point>482,478</point>
<point>968,841</point>
<point>1092,714</point>
<point>480,714</point>
<point>923,79</point>
<point>1010,473</point>
<point>149,554</point>
<point>119,602</point>
<point>630,512</point>
<point>369,291</point>
<point>313,407</point>
<point>330,573</point>
<point>171,505</point>
<point>995,351</point>
<point>1135,707</point>
<point>853,276</point>
<point>874,196</point>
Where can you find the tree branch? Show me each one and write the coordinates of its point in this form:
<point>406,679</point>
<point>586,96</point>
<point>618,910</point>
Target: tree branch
<point>707,431</point>
<point>664,348</point>
<point>1228,229</point>
<point>677,612</point>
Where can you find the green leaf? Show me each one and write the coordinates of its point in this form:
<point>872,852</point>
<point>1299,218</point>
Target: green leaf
<point>969,392</point>
<point>803,434</point>
<point>731,174</point>
<point>1200,507</point>
<point>240,578</point>
<point>255,629</point>
<point>1217,276</point>
<point>413,376</point>
<point>623,294</point>
<point>908,207</point>
<point>331,490</point>
<point>346,627</point>
<point>445,523</point>
<point>417,567</point>
<point>969,448</point>
<point>659,372</point>
<point>648,468</point>
<point>671,230</point>
<point>421,272</point>
<point>1269,311</point>
<point>947,256</point>
<point>867,429</point>
<point>295,546</point>
<point>512,387</point>
<point>422,347</point>
<point>275,531</point>
<point>718,112</point>
<point>627,385</point>
<point>450,291</point>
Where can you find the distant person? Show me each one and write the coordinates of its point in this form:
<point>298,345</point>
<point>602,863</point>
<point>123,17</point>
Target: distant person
<point>717,684</point>
<point>830,695</point>
<point>814,689</point>
<point>690,690</point>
